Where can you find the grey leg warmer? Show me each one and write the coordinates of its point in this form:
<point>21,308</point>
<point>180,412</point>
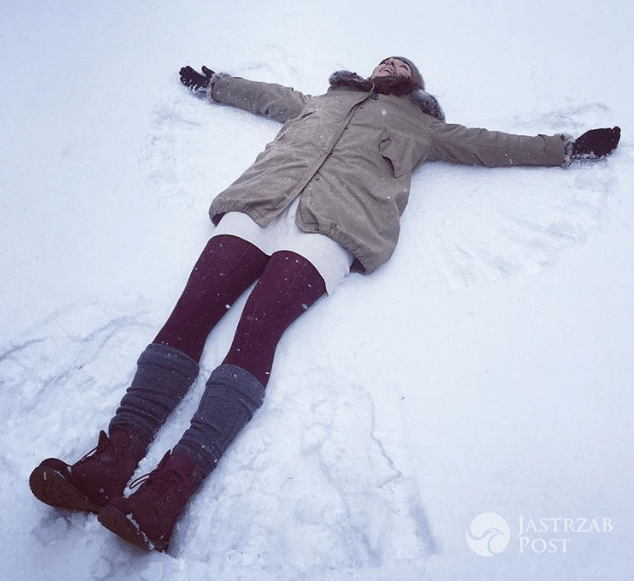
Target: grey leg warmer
<point>231,398</point>
<point>163,376</point>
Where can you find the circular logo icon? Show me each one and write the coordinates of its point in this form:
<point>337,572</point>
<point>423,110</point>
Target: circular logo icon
<point>489,534</point>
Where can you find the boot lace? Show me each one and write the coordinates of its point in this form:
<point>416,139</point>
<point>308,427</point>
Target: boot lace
<point>161,483</point>
<point>104,446</point>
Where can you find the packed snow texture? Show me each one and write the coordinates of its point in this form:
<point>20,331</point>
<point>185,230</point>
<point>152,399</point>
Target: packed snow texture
<point>487,368</point>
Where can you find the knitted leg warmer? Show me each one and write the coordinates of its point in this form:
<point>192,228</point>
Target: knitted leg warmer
<point>231,398</point>
<point>163,376</point>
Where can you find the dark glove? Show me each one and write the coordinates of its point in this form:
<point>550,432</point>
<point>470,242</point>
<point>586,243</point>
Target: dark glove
<point>596,143</point>
<point>195,82</point>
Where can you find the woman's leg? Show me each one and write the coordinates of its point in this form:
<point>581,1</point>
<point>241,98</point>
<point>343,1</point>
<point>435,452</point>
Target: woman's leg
<point>165,371</point>
<point>289,285</point>
<point>225,269</point>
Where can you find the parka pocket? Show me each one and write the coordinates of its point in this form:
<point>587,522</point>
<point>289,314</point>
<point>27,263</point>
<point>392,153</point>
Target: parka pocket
<point>393,153</point>
<point>306,112</point>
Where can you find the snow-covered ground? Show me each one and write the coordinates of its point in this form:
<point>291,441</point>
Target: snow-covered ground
<point>488,368</point>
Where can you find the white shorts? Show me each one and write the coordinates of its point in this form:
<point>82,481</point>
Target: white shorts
<point>331,260</point>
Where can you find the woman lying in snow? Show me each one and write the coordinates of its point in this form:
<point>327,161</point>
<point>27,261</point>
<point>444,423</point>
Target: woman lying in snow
<point>325,197</point>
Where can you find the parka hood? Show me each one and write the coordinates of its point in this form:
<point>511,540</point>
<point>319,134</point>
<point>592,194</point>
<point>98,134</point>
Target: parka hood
<point>427,103</point>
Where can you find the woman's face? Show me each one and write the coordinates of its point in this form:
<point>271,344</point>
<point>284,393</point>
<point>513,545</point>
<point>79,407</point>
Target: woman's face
<point>392,67</point>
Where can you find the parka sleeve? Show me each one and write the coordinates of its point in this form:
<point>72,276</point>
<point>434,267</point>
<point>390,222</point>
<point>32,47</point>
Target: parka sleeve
<point>459,144</point>
<point>275,101</point>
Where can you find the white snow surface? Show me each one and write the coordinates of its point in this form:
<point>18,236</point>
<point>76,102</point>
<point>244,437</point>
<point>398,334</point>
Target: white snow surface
<point>487,368</point>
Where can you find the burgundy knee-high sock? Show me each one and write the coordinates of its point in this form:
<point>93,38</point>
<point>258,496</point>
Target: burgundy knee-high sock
<point>289,285</point>
<point>226,268</point>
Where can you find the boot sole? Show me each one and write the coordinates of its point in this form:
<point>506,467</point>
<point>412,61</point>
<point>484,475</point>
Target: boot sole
<point>125,528</point>
<point>50,487</point>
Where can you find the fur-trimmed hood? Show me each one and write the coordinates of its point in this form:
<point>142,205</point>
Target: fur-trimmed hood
<point>426,101</point>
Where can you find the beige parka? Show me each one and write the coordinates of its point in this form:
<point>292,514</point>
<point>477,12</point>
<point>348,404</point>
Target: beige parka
<point>350,154</point>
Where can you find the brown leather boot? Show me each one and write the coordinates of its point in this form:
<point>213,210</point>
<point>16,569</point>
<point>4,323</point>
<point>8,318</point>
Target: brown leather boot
<point>98,477</point>
<point>147,518</point>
